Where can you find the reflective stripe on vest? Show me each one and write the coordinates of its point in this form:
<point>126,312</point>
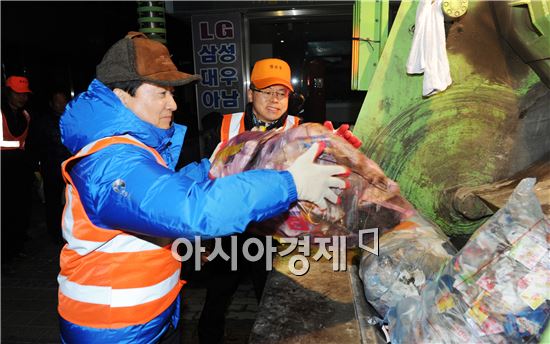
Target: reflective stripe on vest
<point>110,278</point>
<point>233,124</point>
<point>13,142</point>
<point>291,122</point>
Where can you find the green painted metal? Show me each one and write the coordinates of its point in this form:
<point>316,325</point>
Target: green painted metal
<point>370,31</point>
<point>463,136</point>
<point>153,30</point>
<point>539,12</point>
<point>151,19</point>
<point>147,8</point>
<point>545,338</point>
<point>525,25</point>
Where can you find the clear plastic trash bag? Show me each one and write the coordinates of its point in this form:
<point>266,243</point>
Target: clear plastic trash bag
<point>409,255</point>
<point>372,201</point>
<point>495,290</point>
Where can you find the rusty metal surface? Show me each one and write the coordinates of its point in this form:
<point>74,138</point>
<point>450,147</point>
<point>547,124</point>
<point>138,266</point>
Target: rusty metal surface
<point>318,307</point>
<point>486,199</point>
<point>492,122</point>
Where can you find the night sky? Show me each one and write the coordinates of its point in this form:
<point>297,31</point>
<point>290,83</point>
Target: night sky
<point>57,45</point>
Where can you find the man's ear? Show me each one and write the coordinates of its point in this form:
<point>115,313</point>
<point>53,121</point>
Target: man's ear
<point>122,95</point>
<point>249,95</point>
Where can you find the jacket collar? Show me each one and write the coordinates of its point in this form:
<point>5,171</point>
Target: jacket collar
<point>99,113</point>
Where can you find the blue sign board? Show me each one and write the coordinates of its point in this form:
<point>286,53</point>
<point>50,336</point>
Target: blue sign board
<point>217,44</point>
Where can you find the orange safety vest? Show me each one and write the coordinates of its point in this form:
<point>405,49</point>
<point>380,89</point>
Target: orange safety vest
<point>10,142</point>
<point>110,278</point>
<point>233,124</point>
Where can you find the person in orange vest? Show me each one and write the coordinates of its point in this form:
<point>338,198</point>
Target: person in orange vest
<point>125,203</point>
<point>267,108</point>
<point>17,169</point>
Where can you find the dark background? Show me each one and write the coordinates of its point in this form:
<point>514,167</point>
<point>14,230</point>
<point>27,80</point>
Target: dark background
<point>58,44</point>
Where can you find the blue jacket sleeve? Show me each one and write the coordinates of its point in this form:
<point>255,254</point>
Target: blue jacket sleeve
<point>197,171</point>
<point>123,187</point>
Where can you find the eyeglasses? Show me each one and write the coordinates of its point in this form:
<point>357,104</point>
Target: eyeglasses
<point>270,94</point>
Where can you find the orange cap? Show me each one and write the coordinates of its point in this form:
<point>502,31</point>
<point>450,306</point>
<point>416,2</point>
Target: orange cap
<point>268,72</point>
<point>19,84</point>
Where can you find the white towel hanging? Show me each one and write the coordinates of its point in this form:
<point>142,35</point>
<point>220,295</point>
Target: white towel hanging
<point>428,53</point>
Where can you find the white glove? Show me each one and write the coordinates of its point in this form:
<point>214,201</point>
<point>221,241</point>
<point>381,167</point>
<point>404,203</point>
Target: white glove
<point>313,181</point>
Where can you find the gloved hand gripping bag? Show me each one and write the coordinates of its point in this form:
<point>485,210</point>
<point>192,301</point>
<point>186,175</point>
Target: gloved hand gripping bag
<point>372,200</point>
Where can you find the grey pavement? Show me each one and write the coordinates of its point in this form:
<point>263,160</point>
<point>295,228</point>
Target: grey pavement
<point>29,297</point>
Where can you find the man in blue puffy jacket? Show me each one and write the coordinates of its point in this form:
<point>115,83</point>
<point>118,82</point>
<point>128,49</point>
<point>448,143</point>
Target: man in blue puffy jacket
<point>125,203</point>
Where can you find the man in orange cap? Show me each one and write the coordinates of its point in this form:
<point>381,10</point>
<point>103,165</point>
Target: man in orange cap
<point>17,171</point>
<point>267,108</point>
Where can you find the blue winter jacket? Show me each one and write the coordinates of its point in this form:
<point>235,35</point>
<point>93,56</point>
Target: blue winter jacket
<point>163,203</point>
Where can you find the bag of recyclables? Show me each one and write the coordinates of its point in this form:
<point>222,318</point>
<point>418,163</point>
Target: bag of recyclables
<point>372,201</point>
<point>409,255</point>
<point>495,290</point>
